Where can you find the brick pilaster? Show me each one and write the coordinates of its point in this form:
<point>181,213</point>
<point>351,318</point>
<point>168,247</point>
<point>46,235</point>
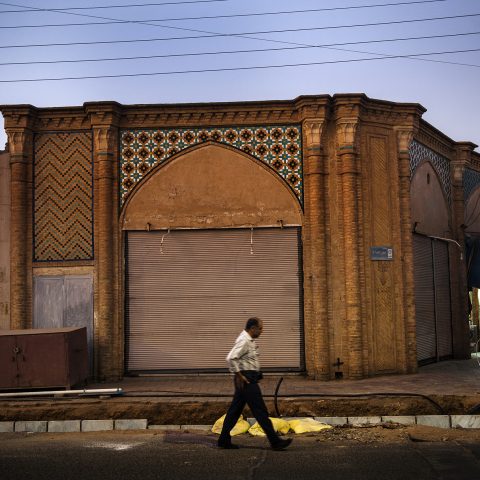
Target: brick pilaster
<point>409,355</point>
<point>108,331</point>
<point>458,273</point>
<point>349,171</point>
<point>315,248</point>
<point>19,127</point>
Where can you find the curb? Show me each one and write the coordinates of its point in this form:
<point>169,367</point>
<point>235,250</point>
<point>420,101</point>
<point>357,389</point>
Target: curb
<point>62,426</point>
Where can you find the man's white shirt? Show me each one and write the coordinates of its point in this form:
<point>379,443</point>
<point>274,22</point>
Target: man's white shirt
<point>244,354</point>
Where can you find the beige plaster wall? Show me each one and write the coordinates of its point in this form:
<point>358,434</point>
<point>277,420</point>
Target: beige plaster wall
<point>212,186</point>
<point>4,240</point>
<point>472,213</point>
<point>428,204</point>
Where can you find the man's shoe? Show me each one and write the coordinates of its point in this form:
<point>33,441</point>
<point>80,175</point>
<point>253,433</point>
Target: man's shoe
<point>228,446</point>
<point>282,444</point>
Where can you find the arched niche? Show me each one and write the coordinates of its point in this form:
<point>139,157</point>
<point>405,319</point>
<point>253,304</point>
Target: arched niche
<point>472,213</point>
<point>211,186</point>
<point>429,207</point>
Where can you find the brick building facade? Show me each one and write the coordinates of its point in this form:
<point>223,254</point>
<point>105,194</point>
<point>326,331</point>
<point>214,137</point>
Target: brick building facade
<point>332,181</point>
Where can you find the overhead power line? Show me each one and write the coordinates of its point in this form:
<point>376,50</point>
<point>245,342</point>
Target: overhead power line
<point>264,32</point>
<point>245,36</point>
<point>231,69</point>
<point>161,4</point>
<point>230,52</point>
<point>122,22</point>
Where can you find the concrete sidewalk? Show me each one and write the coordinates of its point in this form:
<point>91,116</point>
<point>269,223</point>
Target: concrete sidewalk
<point>455,377</point>
<point>444,390</point>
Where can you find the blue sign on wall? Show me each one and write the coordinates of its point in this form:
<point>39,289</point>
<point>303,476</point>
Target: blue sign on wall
<point>381,253</point>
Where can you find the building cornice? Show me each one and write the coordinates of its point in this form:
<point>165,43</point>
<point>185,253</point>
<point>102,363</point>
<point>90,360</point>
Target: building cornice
<point>434,139</point>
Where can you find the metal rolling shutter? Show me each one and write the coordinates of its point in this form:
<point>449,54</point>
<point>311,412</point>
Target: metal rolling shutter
<point>442,299</point>
<point>189,297</point>
<point>424,298</point>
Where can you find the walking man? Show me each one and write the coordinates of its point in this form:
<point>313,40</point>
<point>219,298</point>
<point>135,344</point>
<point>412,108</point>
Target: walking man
<point>244,364</point>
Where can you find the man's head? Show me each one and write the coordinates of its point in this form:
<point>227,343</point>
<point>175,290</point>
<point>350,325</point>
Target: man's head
<point>254,327</point>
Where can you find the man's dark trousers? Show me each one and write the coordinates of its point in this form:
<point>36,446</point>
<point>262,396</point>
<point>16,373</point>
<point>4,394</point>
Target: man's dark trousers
<point>250,395</point>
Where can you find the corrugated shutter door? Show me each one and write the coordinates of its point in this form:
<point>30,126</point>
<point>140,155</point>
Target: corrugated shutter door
<point>424,298</point>
<point>442,290</point>
<point>189,297</point>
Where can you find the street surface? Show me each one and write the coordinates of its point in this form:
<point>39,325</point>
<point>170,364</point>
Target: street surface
<point>182,455</point>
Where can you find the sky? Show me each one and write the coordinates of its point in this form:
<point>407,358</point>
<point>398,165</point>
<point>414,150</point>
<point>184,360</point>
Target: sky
<point>341,44</point>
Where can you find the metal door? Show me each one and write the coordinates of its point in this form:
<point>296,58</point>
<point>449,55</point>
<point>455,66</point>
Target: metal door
<point>432,299</point>
<point>65,301</point>
<point>442,299</point>
<point>189,294</point>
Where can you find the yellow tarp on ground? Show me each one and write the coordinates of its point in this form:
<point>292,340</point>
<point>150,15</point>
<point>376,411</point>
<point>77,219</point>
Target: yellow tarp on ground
<point>304,425</point>
<point>299,425</point>
<point>279,425</point>
<point>242,426</point>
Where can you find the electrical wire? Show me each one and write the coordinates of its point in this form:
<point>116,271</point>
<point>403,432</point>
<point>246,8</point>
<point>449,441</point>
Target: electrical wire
<point>329,27</point>
<point>136,5</point>
<point>247,37</point>
<point>269,40</point>
<point>231,69</point>
<point>140,40</point>
<point>216,17</point>
<point>230,52</point>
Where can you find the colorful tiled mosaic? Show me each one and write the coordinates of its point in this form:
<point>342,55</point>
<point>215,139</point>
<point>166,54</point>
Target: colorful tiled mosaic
<point>419,153</point>
<point>63,192</point>
<point>471,180</point>
<point>280,147</point>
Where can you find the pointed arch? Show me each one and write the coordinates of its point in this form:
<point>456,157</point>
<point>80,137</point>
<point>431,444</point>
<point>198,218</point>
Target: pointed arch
<point>429,205</point>
<point>211,186</point>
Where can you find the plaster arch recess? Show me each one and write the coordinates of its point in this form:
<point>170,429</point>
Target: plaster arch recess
<point>211,186</point>
<point>429,207</point>
<point>472,213</point>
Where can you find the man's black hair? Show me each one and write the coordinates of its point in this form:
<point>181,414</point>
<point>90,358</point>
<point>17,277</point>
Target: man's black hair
<point>252,322</point>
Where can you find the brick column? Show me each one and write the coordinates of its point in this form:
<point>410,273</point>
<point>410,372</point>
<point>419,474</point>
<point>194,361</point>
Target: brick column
<point>315,248</point>
<point>19,128</point>
<point>404,138</point>
<point>104,119</point>
<point>458,271</point>
<point>349,170</point>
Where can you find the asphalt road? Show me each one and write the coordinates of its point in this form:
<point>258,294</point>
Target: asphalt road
<point>194,456</point>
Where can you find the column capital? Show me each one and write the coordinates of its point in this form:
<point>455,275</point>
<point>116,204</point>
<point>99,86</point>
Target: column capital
<point>347,134</point>
<point>104,138</point>
<point>463,152</point>
<point>404,137</point>
<point>313,130</point>
<point>457,168</point>
<point>20,145</point>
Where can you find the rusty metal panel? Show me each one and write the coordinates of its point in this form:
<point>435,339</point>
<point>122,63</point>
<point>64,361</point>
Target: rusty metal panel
<point>43,358</point>
<point>8,365</point>
<point>190,292</point>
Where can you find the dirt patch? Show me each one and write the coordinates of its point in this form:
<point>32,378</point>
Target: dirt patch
<point>394,434</point>
<point>175,411</point>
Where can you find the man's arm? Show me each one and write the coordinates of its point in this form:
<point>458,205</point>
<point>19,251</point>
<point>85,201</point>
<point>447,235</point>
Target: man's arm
<point>240,380</point>
<point>233,359</point>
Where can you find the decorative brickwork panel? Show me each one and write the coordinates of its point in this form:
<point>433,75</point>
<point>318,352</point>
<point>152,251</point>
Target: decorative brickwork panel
<point>63,193</point>
<point>441,165</point>
<point>280,147</point>
<point>471,180</point>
